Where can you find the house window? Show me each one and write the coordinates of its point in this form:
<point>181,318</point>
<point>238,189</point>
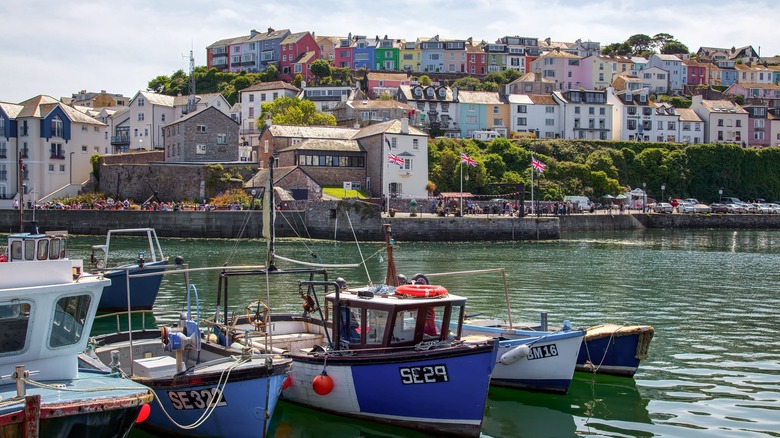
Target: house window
<point>647,111</point>
<point>83,148</point>
<point>200,129</point>
<point>720,122</point>
<point>200,149</point>
<point>62,168</point>
<point>522,109</point>
<point>251,97</point>
<point>51,168</point>
<point>549,110</point>
<point>415,144</point>
<point>221,138</point>
<point>495,109</point>
<point>140,101</point>
<point>671,126</point>
<point>56,127</point>
<point>549,122</point>
<point>393,142</point>
<point>591,110</point>
<point>660,125</point>
<point>632,125</point>
<point>602,111</point>
<point>631,110</point>
<point>522,121</point>
<point>576,110</point>
<point>265,146</point>
<point>739,123</point>
<point>140,117</point>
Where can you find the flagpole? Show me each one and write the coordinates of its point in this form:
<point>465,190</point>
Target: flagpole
<point>461,185</point>
<point>387,180</point>
<point>532,183</point>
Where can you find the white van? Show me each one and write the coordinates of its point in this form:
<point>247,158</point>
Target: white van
<point>485,135</point>
<point>580,203</point>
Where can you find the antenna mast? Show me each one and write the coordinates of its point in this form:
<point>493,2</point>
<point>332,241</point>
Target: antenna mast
<point>191,98</point>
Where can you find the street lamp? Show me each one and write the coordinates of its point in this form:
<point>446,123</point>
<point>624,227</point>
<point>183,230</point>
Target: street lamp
<point>663,187</point>
<point>720,194</point>
<point>644,197</point>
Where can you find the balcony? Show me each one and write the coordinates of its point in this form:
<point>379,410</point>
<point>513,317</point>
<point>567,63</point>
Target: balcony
<point>25,153</point>
<point>120,140</point>
<point>57,157</point>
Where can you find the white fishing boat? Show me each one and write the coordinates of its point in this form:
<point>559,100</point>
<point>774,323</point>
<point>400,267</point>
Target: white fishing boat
<point>47,307</point>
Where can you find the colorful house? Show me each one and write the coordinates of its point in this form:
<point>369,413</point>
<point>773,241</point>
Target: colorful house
<point>387,54</point>
<point>482,111</point>
<point>410,56</point>
<point>298,51</point>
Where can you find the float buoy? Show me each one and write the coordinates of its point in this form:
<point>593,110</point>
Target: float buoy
<point>515,354</point>
<point>322,384</point>
<point>143,414</point>
<point>421,290</point>
<point>287,382</point>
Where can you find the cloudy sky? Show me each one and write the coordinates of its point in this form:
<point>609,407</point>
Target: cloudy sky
<point>60,47</point>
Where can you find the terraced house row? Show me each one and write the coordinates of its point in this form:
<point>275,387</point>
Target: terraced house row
<point>569,65</point>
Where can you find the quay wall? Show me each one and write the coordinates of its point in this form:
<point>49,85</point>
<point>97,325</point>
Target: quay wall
<point>348,220</point>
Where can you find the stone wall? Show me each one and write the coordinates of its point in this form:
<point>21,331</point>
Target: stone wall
<point>600,222</point>
<point>173,182</point>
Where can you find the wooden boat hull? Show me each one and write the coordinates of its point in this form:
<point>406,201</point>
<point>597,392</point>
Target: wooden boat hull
<point>614,349</point>
<point>94,413</point>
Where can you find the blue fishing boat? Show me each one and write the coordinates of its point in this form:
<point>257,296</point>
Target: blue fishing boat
<point>203,389</point>
<point>47,308</point>
<point>373,352</point>
<point>143,289</point>
<point>614,349</point>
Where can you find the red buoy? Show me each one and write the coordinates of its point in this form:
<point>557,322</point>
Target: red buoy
<point>287,382</point>
<point>322,384</point>
<point>143,414</point>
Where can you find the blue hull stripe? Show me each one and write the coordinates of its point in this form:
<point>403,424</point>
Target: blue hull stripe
<point>143,289</point>
<point>620,351</point>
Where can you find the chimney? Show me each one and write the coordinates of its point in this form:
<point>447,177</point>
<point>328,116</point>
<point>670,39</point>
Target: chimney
<point>268,121</point>
<point>454,94</point>
<point>404,125</point>
<point>270,30</point>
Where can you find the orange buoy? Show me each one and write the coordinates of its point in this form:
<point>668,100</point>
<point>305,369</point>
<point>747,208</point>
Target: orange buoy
<point>322,384</point>
<point>421,290</point>
<point>287,382</point>
<point>143,414</point>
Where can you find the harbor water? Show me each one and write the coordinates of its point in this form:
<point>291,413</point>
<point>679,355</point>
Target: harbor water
<point>713,366</point>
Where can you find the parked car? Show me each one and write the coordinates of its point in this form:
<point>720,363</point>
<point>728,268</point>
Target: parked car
<point>774,206</point>
<point>717,207</point>
<point>749,208</point>
<point>735,208</point>
<point>693,201</point>
<point>701,208</point>
<point>729,200</point>
<point>763,209</point>
<point>684,207</point>
<point>663,207</point>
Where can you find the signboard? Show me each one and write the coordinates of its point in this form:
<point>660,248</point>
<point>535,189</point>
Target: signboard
<point>347,185</point>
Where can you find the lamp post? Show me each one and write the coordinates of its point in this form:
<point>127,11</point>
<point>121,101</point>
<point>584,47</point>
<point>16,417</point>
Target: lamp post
<point>720,194</point>
<point>663,187</point>
<point>644,197</point>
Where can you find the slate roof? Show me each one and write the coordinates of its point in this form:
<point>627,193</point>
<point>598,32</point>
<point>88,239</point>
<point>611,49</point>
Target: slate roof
<point>479,97</point>
<point>331,132</point>
<point>717,106</point>
<point>389,127</point>
<point>688,115</point>
<point>275,85</point>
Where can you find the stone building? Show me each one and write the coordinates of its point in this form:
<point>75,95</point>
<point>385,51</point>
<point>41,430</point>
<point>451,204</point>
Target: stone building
<point>207,135</point>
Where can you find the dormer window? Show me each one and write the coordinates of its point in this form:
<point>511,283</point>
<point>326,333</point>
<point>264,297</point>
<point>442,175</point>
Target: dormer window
<point>429,92</point>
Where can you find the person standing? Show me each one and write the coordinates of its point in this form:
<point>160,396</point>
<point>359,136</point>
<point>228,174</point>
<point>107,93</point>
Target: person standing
<point>16,204</point>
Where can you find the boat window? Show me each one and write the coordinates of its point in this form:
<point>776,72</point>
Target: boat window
<point>433,323</point>
<point>376,321</point>
<point>351,322</point>
<point>54,253</point>
<point>29,249</point>
<point>16,250</point>
<point>14,322</point>
<point>43,249</point>
<point>405,323</point>
<point>456,321</point>
<point>69,317</point>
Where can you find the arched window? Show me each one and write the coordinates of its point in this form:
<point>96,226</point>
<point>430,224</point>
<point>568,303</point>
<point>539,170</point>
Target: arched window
<point>56,127</point>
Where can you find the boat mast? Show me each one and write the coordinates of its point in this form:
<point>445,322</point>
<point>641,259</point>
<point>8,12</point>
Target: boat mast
<point>270,210</point>
<point>392,277</point>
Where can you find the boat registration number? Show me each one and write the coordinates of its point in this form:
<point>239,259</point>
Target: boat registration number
<point>196,398</point>
<point>543,351</point>
<point>424,374</point>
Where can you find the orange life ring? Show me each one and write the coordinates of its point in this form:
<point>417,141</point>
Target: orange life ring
<point>421,290</point>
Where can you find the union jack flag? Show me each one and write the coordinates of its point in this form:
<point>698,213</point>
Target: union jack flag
<point>395,159</point>
<point>468,160</point>
<point>538,165</point>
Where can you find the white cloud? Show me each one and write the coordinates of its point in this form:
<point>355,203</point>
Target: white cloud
<point>57,47</point>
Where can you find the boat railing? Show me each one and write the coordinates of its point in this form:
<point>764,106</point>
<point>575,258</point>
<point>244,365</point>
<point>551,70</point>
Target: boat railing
<point>117,315</point>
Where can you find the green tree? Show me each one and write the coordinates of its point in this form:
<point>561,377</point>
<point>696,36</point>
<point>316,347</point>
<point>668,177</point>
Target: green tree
<point>291,111</point>
<point>467,83</point>
<point>674,48</point>
<point>640,43</point>
<point>424,80</point>
<point>321,69</point>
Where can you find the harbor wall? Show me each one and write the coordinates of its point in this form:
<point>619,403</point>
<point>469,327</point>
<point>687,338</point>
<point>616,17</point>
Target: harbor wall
<point>349,220</point>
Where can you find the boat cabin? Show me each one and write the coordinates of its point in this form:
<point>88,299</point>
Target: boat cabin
<point>368,319</point>
<point>36,247</point>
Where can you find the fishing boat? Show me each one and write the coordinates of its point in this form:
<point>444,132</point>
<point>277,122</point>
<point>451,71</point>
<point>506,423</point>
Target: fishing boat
<point>614,349</point>
<point>47,308</point>
<point>144,289</point>
<point>375,352</point>
<point>606,348</point>
<point>203,389</point>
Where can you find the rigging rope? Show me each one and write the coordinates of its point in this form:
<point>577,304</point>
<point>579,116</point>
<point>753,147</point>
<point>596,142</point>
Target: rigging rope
<point>360,251</point>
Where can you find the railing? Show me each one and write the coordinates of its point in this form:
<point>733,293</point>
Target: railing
<point>120,140</point>
<point>57,157</point>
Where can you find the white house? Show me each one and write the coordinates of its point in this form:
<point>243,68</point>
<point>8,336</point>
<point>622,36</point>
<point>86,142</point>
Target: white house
<point>251,100</point>
<point>673,66</point>
<point>655,78</point>
<point>586,114</point>
<point>724,121</point>
<point>539,114</point>
<point>691,126</point>
<point>55,142</point>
